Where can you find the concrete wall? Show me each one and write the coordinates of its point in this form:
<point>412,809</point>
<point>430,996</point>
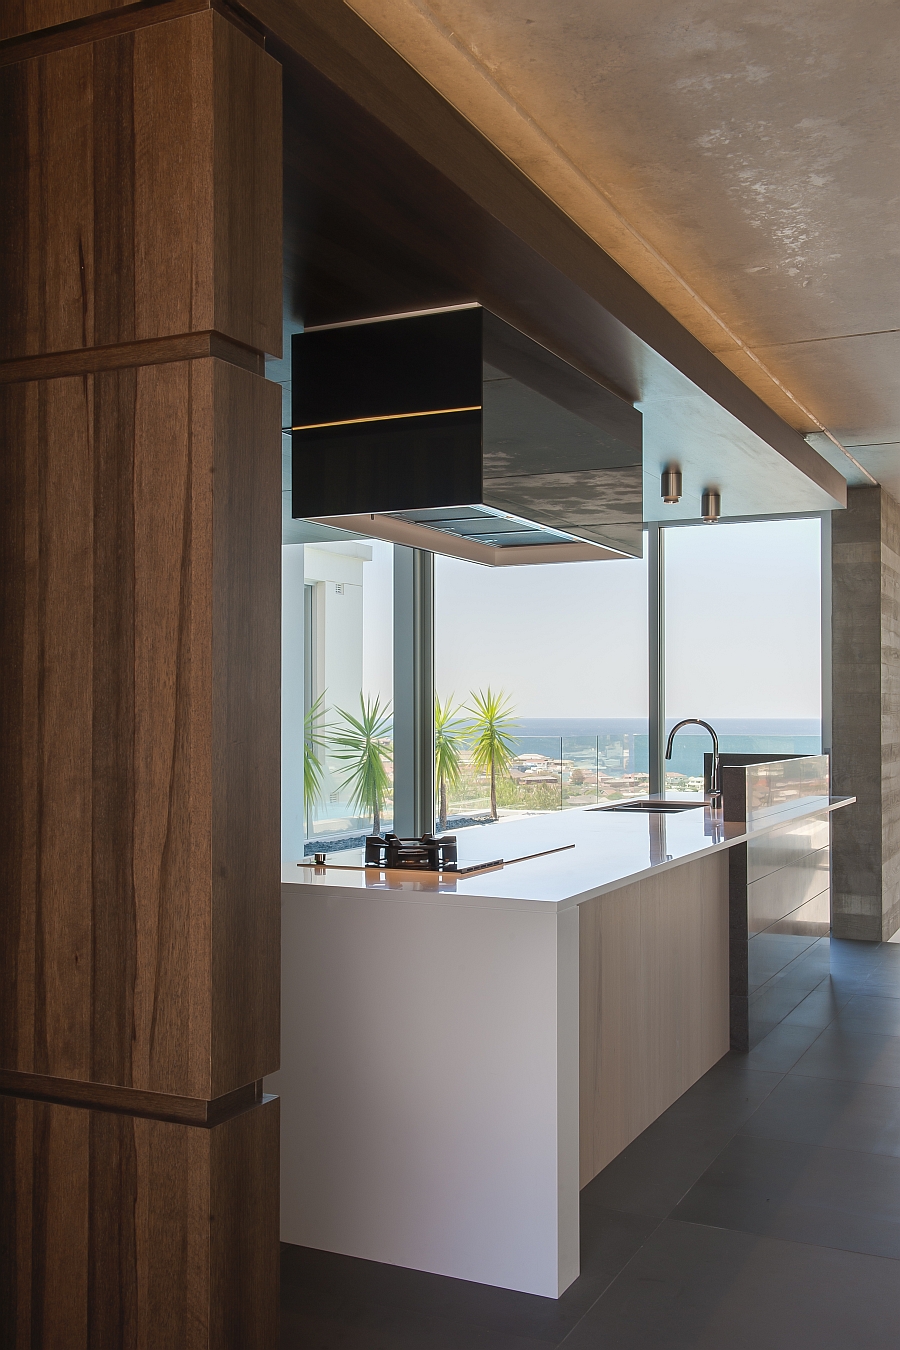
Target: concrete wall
<point>866,714</point>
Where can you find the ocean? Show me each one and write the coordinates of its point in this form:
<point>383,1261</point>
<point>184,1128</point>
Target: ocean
<point>621,743</point>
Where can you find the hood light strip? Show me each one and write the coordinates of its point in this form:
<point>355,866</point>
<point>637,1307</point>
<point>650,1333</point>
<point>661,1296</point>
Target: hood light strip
<point>383,417</point>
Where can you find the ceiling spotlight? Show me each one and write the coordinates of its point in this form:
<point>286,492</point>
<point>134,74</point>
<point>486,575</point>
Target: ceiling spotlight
<point>670,484</point>
<point>711,505</point>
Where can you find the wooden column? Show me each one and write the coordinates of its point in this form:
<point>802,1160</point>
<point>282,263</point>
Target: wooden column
<point>140,270</point>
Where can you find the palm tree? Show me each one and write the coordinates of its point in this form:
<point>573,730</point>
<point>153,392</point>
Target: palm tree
<point>449,739</point>
<point>363,745</point>
<point>313,768</point>
<point>492,746</point>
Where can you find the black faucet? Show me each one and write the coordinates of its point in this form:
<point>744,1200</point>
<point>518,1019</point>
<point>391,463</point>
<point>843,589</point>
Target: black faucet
<point>715,783</point>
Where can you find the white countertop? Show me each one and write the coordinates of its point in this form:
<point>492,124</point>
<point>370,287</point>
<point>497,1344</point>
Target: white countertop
<point>612,849</point>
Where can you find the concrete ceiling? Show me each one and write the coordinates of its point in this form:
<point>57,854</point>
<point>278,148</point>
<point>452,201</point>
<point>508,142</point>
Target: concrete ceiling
<point>740,159</point>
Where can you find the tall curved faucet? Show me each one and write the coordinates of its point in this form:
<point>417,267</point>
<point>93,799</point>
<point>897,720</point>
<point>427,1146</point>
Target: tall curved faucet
<point>715,784</point>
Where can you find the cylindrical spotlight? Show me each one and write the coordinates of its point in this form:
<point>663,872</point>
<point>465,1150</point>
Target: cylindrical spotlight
<point>711,505</point>
<point>670,484</point>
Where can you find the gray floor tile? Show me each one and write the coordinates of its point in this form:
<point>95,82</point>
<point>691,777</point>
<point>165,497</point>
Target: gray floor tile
<point>323,1292</point>
<point>831,1113</point>
<point>821,1006</point>
<point>864,960</point>
<point>769,953</point>
<point>832,1197</point>
<point>403,1331</point>
<point>866,1012</point>
<point>856,1056</point>
<point>845,984</point>
<point>782,1047</point>
<point>652,1174</point>
<point>882,984</point>
<point>780,995</point>
<point>696,1288</point>
<point>329,1301</point>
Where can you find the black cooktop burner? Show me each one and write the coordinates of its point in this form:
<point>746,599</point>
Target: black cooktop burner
<point>431,853</point>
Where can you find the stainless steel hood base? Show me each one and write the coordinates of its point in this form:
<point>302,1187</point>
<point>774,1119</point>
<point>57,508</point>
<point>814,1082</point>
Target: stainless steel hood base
<point>397,529</point>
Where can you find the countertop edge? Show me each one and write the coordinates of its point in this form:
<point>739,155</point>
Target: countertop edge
<point>471,899</point>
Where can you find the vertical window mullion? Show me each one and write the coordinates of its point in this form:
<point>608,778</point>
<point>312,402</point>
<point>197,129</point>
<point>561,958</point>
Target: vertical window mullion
<point>656,652</point>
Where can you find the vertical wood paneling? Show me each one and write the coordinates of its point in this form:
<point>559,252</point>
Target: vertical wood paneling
<point>172,633</point>
<point>151,158</point>
<point>113,205</point>
<point>58,247</point>
<point>113,913</point>
<point>243,1190</point>
<point>173,247</point>
<point>246,652</point>
<point>654,1000</point>
<point>16,854</point>
<point>132,1234</point>
<point>149,690</point>
<point>248,168</point>
<point>715,957</point>
<point>61,684</point>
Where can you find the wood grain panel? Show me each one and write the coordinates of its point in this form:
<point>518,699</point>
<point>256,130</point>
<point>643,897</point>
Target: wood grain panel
<point>141,536</point>
<point>246,728</point>
<point>151,157</point>
<point>29,16</point>
<point>119,1233</point>
<point>247,302</point>
<point>30,36</point>
<point>654,1000</point>
<point>129,1100</point>
<point>152,352</point>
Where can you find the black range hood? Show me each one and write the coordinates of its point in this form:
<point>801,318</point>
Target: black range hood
<point>451,430</point>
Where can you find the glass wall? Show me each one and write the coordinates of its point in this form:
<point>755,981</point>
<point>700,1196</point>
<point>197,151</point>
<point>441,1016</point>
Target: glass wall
<point>743,640</point>
<point>541,680</point>
<point>541,675</point>
<point>337,769</point>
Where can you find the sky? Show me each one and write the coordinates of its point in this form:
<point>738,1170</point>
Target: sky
<point>569,640</point>
<point>561,639</point>
<point>743,632</point>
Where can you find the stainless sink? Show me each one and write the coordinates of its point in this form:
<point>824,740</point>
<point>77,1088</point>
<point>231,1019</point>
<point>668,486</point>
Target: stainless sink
<point>646,806</point>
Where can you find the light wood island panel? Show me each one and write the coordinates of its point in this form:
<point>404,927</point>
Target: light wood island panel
<point>654,1006</point>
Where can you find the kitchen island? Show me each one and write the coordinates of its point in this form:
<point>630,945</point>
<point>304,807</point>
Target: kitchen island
<point>461,1054</point>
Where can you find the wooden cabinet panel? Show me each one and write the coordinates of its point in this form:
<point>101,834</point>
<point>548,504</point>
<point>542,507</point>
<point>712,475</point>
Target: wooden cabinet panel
<point>119,1233</point>
<point>149,167</point>
<point>654,1000</point>
<point>140,727</point>
<point>29,16</point>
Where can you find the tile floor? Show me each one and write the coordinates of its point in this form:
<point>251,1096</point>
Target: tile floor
<point>761,1212</point>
